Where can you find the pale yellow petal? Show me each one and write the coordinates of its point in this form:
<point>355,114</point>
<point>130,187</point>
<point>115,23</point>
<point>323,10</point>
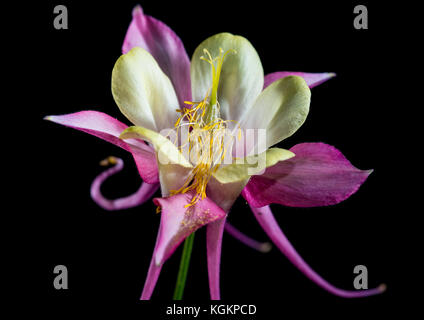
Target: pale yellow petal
<point>241,79</point>
<point>280,109</point>
<point>174,169</point>
<point>251,165</point>
<point>143,93</point>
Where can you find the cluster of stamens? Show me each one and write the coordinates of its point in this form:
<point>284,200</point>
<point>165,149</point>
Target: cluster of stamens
<point>206,138</point>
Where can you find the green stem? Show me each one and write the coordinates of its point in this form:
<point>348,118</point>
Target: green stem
<point>184,263</point>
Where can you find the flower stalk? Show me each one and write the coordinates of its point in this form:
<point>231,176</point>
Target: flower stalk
<point>184,264</point>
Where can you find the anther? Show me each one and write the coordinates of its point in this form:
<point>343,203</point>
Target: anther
<point>111,160</point>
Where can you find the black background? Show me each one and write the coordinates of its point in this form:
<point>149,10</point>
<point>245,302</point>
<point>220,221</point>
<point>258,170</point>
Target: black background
<point>108,253</point>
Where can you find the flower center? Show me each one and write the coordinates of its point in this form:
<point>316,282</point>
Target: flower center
<point>206,136</point>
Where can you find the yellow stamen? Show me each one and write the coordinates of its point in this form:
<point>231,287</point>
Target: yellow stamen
<point>206,132</point>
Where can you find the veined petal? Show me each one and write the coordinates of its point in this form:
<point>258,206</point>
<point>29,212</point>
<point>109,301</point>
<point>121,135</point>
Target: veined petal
<point>280,109</point>
<point>318,175</point>
<point>96,123</point>
<point>312,79</point>
<point>143,93</point>
<point>251,165</point>
<point>270,226</point>
<point>165,46</point>
<point>173,166</point>
<point>241,78</point>
<point>107,128</point>
<point>178,222</point>
<point>146,164</point>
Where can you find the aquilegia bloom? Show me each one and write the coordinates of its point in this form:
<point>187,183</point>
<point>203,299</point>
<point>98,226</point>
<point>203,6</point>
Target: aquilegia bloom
<point>194,117</point>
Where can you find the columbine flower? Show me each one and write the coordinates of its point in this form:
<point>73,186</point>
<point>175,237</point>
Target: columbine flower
<point>217,98</point>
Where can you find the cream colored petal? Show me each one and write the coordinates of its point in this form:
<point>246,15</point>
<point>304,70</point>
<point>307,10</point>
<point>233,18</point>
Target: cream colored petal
<point>251,165</point>
<point>143,93</point>
<point>280,109</point>
<point>174,168</point>
<point>242,76</point>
